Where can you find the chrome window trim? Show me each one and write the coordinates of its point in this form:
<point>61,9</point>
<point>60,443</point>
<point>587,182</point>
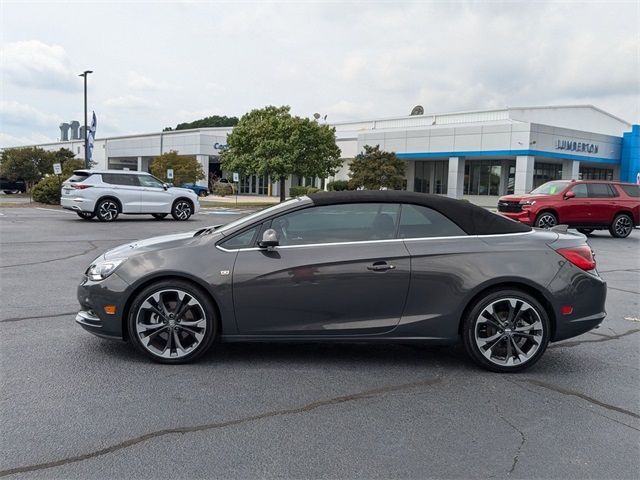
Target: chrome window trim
<point>363,242</point>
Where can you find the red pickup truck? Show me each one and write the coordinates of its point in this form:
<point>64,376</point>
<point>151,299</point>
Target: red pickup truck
<point>585,205</point>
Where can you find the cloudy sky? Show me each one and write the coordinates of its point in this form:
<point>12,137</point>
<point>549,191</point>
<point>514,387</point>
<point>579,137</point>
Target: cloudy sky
<point>160,63</point>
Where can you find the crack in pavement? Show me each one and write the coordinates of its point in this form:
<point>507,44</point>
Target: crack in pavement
<point>73,241</point>
<point>19,319</point>
<point>523,439</point>
<point>573,393</point>
<point>593,412</point>
<point>211,426</point>
<point>622,290</point>
<point>620,270</point>
<point>604,338</point>
<point>90,242</point>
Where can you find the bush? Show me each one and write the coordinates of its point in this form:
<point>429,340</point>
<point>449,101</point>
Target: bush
<point>297,191</point>
<point>222,189</point>
<point>313,190</point>
<point>338,185</point>
<point>47,190</point>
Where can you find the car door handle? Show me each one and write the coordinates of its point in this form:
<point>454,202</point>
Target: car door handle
<point>380,267</point>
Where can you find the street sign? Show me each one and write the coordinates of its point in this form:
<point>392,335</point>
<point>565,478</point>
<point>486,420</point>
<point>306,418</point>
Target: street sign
<point>170,173</point>
<point>236,177</point>
<point>57,168</point>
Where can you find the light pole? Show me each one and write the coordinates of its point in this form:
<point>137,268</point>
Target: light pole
<point>86,146</point>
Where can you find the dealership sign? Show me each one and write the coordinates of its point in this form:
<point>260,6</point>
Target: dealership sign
<point>219,146</point>
<point>576,146</point>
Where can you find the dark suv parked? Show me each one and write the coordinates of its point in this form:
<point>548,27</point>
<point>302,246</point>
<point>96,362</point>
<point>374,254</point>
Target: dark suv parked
<point>12,186</point>
<point>585,205</point>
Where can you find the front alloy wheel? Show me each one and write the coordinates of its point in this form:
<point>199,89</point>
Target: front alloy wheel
<point>172,322</point>
<point>182,210</point>
<point>107,211</point>
<point>546,220</point>
<point>621,226</point>
<point>506,331</point>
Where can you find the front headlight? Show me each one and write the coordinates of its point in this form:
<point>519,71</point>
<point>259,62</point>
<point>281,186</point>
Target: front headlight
<point>101,270</point>
<point>527,203</point>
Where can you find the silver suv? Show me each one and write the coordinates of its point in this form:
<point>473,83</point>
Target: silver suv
<point>107,193</point>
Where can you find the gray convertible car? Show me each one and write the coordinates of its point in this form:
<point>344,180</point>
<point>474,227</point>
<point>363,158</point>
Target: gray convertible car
<point>374,266</point>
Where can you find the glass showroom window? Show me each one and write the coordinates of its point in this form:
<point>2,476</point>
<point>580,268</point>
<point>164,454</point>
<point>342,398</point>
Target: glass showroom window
<point>130,163</point>
<point>482,177</point>
<point>431,177</point>
<point>594,173</point>
<point>545,172</point>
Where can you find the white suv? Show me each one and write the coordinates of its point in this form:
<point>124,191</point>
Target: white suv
<point>107,193</point>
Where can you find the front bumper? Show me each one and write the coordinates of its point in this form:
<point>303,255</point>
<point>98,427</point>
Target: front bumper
<point>525,216</point>
<point>94,297</point>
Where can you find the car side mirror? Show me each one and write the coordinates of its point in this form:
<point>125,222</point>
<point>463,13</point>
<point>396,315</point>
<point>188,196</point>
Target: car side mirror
<point>165,186</point>
<point>569,194</point>
<point>269,239</point>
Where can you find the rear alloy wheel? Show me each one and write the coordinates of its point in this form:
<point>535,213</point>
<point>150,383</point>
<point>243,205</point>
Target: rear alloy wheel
<point>107,210</point>
<point>585,231</point>
<point>182,210</point>
<point>622,226</point>
<point>546,220</point>
<point>172,322</point>
<point>86,215</point>
<point>506,331</point>
<point>159,216</point>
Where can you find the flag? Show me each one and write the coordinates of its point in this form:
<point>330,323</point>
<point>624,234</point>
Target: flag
<point>92,136</point>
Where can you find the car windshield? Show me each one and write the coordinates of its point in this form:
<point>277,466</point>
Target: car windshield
<point>550,188</point>
<point>249,218</point>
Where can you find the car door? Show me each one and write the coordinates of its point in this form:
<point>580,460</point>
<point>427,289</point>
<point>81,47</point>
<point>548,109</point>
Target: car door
<point>154,197</point>
<point>339,270</point>
<point>444,266</point>
<point>575,211</point>
<point>602,206</point>
<point>125,187</point>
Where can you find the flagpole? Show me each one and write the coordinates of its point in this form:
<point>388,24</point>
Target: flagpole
<point>86,133</point>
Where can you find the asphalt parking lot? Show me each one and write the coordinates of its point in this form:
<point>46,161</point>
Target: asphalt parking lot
<point>75,406</point>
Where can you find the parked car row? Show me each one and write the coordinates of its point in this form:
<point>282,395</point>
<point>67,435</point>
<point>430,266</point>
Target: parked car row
<point>105,194</point>
<point>584,205</point>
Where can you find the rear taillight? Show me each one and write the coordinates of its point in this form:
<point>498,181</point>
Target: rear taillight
<point>581,257</point>
<point>80,186</point>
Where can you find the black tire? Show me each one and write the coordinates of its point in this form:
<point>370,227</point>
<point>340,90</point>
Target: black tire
<point>534,340</point>
<point>203,193</point>
<point>86,215</point>
<point>206,315</point>
<point>159,216</point>
<point>9,192</point>
<point>585,231</point>
<point>622,226</point>
<point>107,210</point>
<point>182,210</point>
<point>546,220</point>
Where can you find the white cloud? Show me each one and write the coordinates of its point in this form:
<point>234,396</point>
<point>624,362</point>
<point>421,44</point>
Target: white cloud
<point>22,115</point>
<point>7,140</point>
<point>130,102</point>
<point>137,81</point>
<point>34,64</point>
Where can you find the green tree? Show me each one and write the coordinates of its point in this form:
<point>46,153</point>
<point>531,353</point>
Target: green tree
<point>31,164</point>
<point>270,141</point>
<point>47,190</point>
<point>375,169</point>
<point>185,169</point>
<point>212,121</point>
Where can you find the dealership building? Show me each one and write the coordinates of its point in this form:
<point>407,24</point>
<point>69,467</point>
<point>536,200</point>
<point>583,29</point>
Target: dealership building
<point>478,155</point>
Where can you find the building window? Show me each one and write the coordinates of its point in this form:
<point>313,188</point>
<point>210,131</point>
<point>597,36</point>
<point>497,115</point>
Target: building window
<point>545,172</point>
<point>431,177</point>
<point>482,177</point>
<point>123,163</point>
<point>595,173</point>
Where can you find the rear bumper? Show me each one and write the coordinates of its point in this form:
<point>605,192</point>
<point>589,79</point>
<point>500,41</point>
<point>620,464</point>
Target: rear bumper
<point>77,204</point>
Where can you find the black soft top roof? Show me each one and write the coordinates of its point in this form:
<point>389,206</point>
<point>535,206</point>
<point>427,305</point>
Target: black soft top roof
<point>472,219</point>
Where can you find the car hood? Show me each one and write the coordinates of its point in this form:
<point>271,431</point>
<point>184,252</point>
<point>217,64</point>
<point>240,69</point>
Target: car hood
<point>162,242</point>
<point>524,196</point>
